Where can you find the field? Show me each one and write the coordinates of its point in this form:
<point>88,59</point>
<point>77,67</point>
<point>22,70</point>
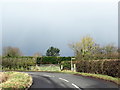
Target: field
<point>47,67</point>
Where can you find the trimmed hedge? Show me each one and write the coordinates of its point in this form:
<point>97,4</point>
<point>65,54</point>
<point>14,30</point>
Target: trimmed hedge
<point>51,60</point>
<point>47,60</point>
<point>112,68</point>
<point>106,67</point>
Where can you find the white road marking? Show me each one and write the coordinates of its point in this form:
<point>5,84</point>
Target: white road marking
<point>64,79</point>
<point>75,86</point>
<point>48,75</point>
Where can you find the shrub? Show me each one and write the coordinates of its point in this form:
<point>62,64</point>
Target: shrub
<point>14,63</point>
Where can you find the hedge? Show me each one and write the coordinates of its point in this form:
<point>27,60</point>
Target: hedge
<point>106,67</point>
<point>25,62</point>
<point>47,60</point>
<point>51,60</point>
<point>17,63</point>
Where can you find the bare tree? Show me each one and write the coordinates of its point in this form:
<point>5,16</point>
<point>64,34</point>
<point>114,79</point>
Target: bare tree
<point>88,49</point>
<point>84,48</point>
<point>110,48</point>
<point>11,51</point>
<point>37,54</point>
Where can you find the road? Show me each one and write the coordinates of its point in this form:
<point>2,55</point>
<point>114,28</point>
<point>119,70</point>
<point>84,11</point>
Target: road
<point>68,81</point>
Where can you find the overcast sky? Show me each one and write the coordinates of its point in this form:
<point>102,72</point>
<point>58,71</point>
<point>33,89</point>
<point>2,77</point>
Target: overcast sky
<point>35,26</point>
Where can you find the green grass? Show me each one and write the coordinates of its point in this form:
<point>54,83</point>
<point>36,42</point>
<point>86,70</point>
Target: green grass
<point>50,67</point>
<point>105,77</point>
<point>16,80</point>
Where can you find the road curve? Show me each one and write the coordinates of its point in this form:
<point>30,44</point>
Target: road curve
<point>61,81</point>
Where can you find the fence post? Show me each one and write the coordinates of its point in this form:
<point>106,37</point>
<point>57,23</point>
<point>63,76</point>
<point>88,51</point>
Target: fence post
<point>74,67</point>
<point>61,68</point>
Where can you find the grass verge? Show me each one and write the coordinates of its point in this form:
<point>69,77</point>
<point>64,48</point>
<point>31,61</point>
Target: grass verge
<point>16,80</point>
<point>56,69</point>
<point>98,76</point>
<point>3,77</point>
<point>49,67</point>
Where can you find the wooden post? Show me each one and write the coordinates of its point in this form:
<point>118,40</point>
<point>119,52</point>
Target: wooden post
<point>74,67</point>
<point>61,68</point>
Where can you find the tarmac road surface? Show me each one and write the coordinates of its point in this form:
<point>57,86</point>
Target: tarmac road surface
<point>56,81</point>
